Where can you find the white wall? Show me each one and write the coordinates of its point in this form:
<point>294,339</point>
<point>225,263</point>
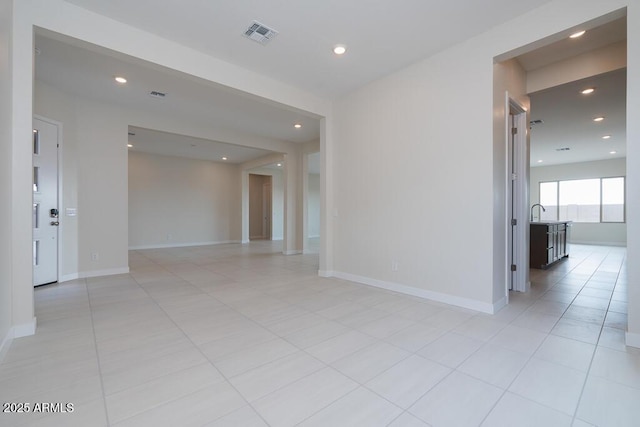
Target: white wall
<point>94,180</point>
<point>440,112</point>
<point>313,205</point>
<point>508,78</point>
<point>425,194</point>
<point>587,233</point>
<point>6,309</point>
<point>175,201</point>
<point>53,104</point>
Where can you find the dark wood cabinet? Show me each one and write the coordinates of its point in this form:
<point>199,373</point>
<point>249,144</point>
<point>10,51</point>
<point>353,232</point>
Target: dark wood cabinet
<point>548,243</point>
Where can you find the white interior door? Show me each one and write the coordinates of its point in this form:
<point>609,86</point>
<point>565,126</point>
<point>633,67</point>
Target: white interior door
<point>45,202</point>
<point>518,198</point>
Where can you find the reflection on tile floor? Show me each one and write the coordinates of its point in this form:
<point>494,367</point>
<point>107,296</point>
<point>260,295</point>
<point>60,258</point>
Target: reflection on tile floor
<point>240,335</point>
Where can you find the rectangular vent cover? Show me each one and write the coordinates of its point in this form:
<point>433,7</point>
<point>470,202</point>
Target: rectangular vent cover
<point>563,149</point>
<point>260,33</point>
<point>156,94</point>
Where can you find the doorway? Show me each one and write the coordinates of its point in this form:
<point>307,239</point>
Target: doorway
<point>260,207</point>
<point>45,215</point>
<point>518,154</point>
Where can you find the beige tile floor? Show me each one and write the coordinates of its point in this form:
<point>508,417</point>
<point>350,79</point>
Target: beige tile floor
<point>240,335</point>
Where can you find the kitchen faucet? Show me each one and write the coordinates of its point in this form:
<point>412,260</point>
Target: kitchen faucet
<point>541,207</point>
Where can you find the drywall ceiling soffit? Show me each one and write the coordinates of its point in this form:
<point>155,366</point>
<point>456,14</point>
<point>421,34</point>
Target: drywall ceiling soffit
<point>89,72</point>
<point>382,37</point>
<point>598,37</point>
<point>170,144</point>
<point>568,115</point>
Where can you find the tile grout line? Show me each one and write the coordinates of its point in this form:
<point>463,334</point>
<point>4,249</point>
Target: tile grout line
<point>95,342</point>
<point>595,350</point>
<point>198,350</point>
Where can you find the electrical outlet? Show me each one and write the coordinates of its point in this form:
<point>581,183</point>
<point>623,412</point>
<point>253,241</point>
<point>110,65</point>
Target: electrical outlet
<point>94,256</point>
<point>394,265</point>
<point>169,237</point>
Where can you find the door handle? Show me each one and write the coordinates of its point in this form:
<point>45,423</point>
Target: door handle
<point>55,223</point>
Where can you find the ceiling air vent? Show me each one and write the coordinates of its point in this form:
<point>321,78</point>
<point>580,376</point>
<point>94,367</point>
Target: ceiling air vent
<point>563,149</point>
<point>260,33</point>
<point>535,122</point>
<point>156,94</point>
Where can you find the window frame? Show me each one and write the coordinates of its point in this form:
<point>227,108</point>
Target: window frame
<point>600,221</point>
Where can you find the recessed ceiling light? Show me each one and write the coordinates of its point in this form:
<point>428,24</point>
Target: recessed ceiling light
<point>279,164</point>
<point>225,158</point>
<point>606,137</point>
<point>130,145</point>
<point>539,161</point>
<point>297,126</point>
<point>576,35</point>
<point>339,49</point>
<point>598,119</point>
<point>588,91</point>
<point>612,152</point>
<point>121,80</point>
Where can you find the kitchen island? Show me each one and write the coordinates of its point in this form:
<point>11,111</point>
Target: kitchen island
<point>548,243</point>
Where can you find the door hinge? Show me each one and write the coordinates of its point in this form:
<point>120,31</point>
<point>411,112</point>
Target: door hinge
<point>514,131</point>
<point>514,176</point>
<point>514,221</point>
<point>513,267</point>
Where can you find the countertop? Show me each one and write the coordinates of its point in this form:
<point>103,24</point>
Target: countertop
<point>549,222</point>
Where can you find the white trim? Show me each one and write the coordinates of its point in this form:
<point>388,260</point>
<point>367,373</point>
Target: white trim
<point>98,273</point>
<point>25,329</point>
<point>500,304</point>
<point>292,252</point>
<point>633,339</point>
<point>6,344</point>
<point>183,245</point>
<point>423,293</point>
<point>598,243</point>
<point>68,277</point>
<point>325,273</point>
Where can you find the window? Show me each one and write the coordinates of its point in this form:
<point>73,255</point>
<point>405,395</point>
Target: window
<point>583,200</point>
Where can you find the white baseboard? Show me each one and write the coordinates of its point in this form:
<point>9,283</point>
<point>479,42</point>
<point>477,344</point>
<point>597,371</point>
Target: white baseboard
<point>17,331</point>
<point>292,252</point>
<point>25,329</point>
<point>182,245</point>
<point>5,344</point>
<point>499,305</point>
<point>590,243</point>
<point>632,339</point>
<point>422,293</point>
<point>68,277</point>
<point>325,273</point>
<point>98,273</point>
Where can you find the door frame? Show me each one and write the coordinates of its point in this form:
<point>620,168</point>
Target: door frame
<point>60,230</point>
<point>517,203</point>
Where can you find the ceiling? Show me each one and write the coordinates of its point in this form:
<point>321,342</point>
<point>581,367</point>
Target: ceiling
<point>387,37</point>
<point>568,115</point>
<point>169,144</point>
<point>381,36</point>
